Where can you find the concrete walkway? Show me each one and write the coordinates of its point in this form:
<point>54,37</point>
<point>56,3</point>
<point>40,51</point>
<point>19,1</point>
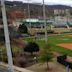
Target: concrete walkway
<point>5,66</point>
<point>3,70</point>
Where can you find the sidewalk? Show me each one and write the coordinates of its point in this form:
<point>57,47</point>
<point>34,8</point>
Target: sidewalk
<point>18,69</point>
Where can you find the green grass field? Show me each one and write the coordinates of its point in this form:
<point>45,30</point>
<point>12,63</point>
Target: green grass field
<point>56,39</point>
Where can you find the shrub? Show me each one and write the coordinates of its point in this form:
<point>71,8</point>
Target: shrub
<point>20,60</point>
<point>22,28</point>
<point>31,47</point>
<point>62,60</point>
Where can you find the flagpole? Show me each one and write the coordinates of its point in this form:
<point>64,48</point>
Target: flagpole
<point>7,40</point>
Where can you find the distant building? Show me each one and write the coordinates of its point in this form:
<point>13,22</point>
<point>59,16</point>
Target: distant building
<point>18,11</point>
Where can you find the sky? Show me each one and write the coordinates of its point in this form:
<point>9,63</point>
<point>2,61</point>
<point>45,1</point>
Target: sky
<point>49,2</point>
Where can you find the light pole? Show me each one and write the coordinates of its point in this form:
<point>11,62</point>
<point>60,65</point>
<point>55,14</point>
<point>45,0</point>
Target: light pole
<point>7,40</point>
<point>44,20</point>
<point>67,14</point>
<point>29,14</point>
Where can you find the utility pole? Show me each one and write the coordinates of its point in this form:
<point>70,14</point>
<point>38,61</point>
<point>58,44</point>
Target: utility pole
<point>44,19</point>
<point>7,40</point>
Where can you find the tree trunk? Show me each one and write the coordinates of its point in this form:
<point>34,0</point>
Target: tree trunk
<point>47,66</point>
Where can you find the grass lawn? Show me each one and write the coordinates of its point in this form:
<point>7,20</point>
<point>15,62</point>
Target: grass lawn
<point>53,40</point>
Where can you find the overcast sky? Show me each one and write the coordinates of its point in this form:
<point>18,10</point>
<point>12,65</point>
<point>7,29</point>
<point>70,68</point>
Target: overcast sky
<point>63,2</point>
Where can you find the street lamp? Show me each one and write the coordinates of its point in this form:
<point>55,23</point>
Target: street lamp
<point>7,40</point>
<point>44,20</point>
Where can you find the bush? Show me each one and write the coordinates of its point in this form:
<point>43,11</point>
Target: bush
<point>20,60</point>
<point>22,28</point>
<point>31,47</point>
<point>62,60</point>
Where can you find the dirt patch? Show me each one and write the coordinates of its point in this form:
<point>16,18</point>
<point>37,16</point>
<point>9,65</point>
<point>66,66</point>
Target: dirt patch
<point>70,35</point>
<point>54,67</point>
<point>65,45</point>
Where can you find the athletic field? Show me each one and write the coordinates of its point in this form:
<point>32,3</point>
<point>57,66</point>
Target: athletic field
<point>61,43</point>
